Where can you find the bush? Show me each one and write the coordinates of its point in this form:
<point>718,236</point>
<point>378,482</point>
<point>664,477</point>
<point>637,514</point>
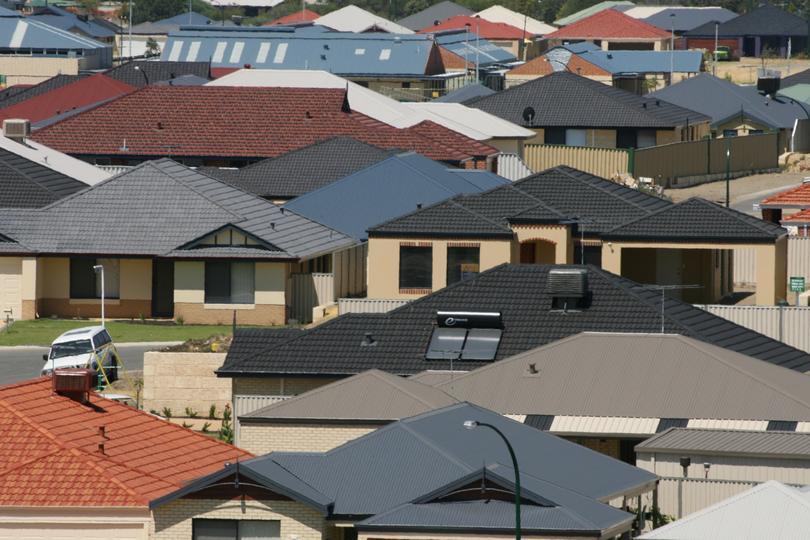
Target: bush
<point>167,412</point>
<point>191,413</point>
<point>212,411</point>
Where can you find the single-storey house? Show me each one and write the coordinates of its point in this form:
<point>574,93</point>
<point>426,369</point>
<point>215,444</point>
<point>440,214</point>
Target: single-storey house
<point>568,109</point>
<point>173,243</point>
<point>74,465</point>
<point>612,30</point>
<point>680,19</point>
<point>711,464</point>
<point>764,31</point>
<point>428,476</point>
<point>735,110</point>
<point>236,126</point>
<point>521,307</point>
<point>565,216</point>
<point>81,25</point>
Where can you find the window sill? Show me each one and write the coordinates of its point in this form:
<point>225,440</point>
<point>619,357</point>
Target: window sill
<point>415,291</point>
<point>94,301</point>
<point>229,306</point>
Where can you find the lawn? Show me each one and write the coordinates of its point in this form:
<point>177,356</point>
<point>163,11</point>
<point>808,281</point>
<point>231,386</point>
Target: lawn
<point>44,331</point>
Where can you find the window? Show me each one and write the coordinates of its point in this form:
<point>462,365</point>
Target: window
<point>462,263</point>
<point>229,282</point>
<point>101,339</point>
<point>232,529</point>
<point>554,136</point>
<point>415,267</point>
<point>576,137</point>
<point>85,283</point>
<point>406,84</point>
<point>729,133</point>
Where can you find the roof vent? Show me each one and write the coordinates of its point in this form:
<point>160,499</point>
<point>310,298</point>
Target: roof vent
<point>16,129</point>
<point>568,288</point>
<point>74,383</point>
<point>368,340</point>
<point>769,81</point>
<point>532,369</point>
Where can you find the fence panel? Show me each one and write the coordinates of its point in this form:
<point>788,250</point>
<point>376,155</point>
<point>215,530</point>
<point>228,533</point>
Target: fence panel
<point>511,167</point>
<point>307,291</point>
<point>745,266</point>
<point>671,161</point>
<point>789,325</point>
<point>604,162</point>
<point>749,153</point>
<point>368,305</point>
<point>698,493</point>
<point>798,264</point>
<point>349,267</point>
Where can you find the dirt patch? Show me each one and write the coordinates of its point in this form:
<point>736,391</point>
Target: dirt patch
<point>742,187</point>
<point>216,344</point>
<point>745,71</point>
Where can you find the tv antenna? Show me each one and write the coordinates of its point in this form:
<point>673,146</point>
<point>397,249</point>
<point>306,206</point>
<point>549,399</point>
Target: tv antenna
<point>664,289</point>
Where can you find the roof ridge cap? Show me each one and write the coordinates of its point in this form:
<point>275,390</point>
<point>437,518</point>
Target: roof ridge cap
<point>376,373</point>
<point>566,170</point>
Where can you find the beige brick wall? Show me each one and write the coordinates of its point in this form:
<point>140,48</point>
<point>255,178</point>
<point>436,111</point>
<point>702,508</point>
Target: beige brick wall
<point>264,438</point>
<point>180,380</point>
<point>277,386</point>
<point>173,521</point>
<point>258,314</point>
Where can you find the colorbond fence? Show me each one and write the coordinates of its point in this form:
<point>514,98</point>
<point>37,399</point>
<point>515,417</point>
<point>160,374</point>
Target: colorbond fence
<point>604,162</point>
<point>745,265</point>
<point>790,325</point>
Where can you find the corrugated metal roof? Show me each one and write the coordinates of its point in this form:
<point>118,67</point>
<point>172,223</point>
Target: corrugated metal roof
<point>498,13</point>
<point>771,510</point>
<point>592,10</point>
<point>465,44</point>
<point>619,62</point>
<point>640,376</point>
<point>785,444</point>
<point>714,423</point>
<point>27,33</point>
<point>607,425</point>
<point>307,47</point>
<point>355,19</point>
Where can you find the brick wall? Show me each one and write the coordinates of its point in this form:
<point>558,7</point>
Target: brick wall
<point>260,314</point>
<point>119,309</point>
<point>180,380</point>
<point>173,521</point>
<point>264,438</point>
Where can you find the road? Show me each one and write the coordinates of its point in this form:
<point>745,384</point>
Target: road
<point>20,363</point>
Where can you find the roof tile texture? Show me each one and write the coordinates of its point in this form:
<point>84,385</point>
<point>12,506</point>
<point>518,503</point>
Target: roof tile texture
<point>609,24</point>
<point>484,28</point>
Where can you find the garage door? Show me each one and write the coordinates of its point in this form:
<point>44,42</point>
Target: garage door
<point>79,531</point>
<point>10,287</point>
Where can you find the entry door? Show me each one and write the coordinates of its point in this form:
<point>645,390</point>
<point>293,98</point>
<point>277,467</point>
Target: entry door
<point>162,288</point>
<point>528,253</point>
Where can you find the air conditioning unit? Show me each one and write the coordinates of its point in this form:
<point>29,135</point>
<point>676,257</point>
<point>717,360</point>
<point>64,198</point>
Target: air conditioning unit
<point>567,282</point>
<point>75,383</point>
<point>16,128</point>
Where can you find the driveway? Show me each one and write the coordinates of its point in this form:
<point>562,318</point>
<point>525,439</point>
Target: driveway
<point>20,363</point>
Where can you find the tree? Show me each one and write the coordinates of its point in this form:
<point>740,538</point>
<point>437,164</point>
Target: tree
<point>153,10</point>
<point>152,47</point>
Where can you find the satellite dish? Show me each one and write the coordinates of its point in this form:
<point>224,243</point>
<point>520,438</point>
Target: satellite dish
<point>528,115</point>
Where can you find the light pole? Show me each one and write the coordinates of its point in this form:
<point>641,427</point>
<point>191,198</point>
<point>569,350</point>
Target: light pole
<point>130,30</point>
<point>472,424</point>
<point>99,269</point>
<point>716,33</point>
<point>728,173</point>
<point>477,33</point>
<point>142,72</point>
<point>671,48</point>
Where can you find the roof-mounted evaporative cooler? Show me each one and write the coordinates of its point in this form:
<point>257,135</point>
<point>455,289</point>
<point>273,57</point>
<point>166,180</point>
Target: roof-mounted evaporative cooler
<point>568,288</point>
<point>465,335</point>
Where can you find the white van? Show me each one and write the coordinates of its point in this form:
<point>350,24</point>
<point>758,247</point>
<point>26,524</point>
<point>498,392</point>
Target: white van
<point>83,347</point>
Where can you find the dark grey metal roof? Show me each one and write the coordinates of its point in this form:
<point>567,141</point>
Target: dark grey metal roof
<point>27,184</point>
<point>564,99</point>
<point>519,293</point>
<point>437,12</point>
<point>686,19</point>
<point>305,169</point>
<point>783,444</point>
<point>157,71</point>
<point>465,94</point>
<point>162,206</point>
<point>767,20</point>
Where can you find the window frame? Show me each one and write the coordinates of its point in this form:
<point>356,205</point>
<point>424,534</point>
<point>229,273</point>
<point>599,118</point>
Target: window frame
<point>237,522</point>
<point>409,282</point>
<point>111,292</point>
<point>451,269</point>
<point>227,280</point>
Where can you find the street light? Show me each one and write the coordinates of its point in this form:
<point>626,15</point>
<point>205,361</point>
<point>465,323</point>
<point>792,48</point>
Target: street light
<point>472,424</point>
<point>99,269</point>
<point>142,72</point>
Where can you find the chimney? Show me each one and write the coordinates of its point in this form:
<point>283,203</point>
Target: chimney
<point>17,129</point>
<point>74,383</point>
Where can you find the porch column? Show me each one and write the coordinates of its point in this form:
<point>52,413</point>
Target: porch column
<point>612,258</point>
<point>771,272</point>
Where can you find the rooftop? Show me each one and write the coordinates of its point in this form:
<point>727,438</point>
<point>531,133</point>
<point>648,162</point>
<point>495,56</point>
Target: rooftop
<point>596,8</point>
<point>499,13</point>
<point>27,184</point>
<point>304,15</point>
<point>351,18</point>
<point>60,452</point>
<point>761,444</point>
<point>609,24</point>
<point>481,26</point>
<point>795,197</point>
<point>437,12</point>
<point>766,20</point>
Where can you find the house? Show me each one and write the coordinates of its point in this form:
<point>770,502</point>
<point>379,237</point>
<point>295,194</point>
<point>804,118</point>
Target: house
<point>77,465</point>
<point>355,19</point>
<point>49,107</point>
<point>769,510</point>
<point>547,218</point>
<point>423,476</point>
<point>300,171</point>
<point>389,188</point>
<point>465,94</point>
<point>611,391</point>
<point>703,460</point>
<point>735,110</point>
<point>331,415</point>
<point>564,108</point>
<point>437,12</point>
<point>501,14</point>
<point>558,59</point>
<point>620,5</point>
<point>81,25</point>
<point>32,51</point>
<point>612,30</point>
<point>680,19</point>
<point>384,62</point>
<point>303,16</point>
<point>480,61</point>
<point>789,208</point>
<point>520,310</point>
<point>177,121</point>
<point>470,122</point>
<point>765,30</point>
<point>174,243</point>
<point>499,34</point>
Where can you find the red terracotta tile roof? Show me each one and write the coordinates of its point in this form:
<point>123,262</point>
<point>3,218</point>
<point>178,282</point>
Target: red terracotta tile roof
<point>50,456</point>
<point>207,121</point>
<point>609,24</point>
<point>799,218</point>
<point>484,28</point>
<point>81,93</point>
<point>305,15</point>
<point>797,197</point>
<point>541,66</point>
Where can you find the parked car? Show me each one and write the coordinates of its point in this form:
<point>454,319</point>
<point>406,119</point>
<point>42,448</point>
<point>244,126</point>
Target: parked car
<point>83,347</point>
<point>723,53</point>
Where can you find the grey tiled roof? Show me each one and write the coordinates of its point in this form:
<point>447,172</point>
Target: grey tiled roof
<point>436,12</point>
<point>304,170</point>
<point>159,207</point>
<point>27,184</point>
<point>555,195</point>
<point>519,293</point>
<point>157,71</point>
<point>696,220</point>
<point>563,99</point>
<point>767,20</point>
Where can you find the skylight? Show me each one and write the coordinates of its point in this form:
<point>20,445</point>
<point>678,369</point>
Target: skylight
<point>193,51</point>
<point>385,54</point>
<point>281,52</point>
<point>236,53</point>
<point>174,54</point>
<point>219,52</point>
<point>264,50</point>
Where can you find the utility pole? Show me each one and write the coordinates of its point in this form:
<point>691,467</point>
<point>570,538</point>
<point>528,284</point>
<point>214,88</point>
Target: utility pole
<point>716,32</point>
<point>130,30</point>
<point>477,33</point>
<point>672,48</point>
